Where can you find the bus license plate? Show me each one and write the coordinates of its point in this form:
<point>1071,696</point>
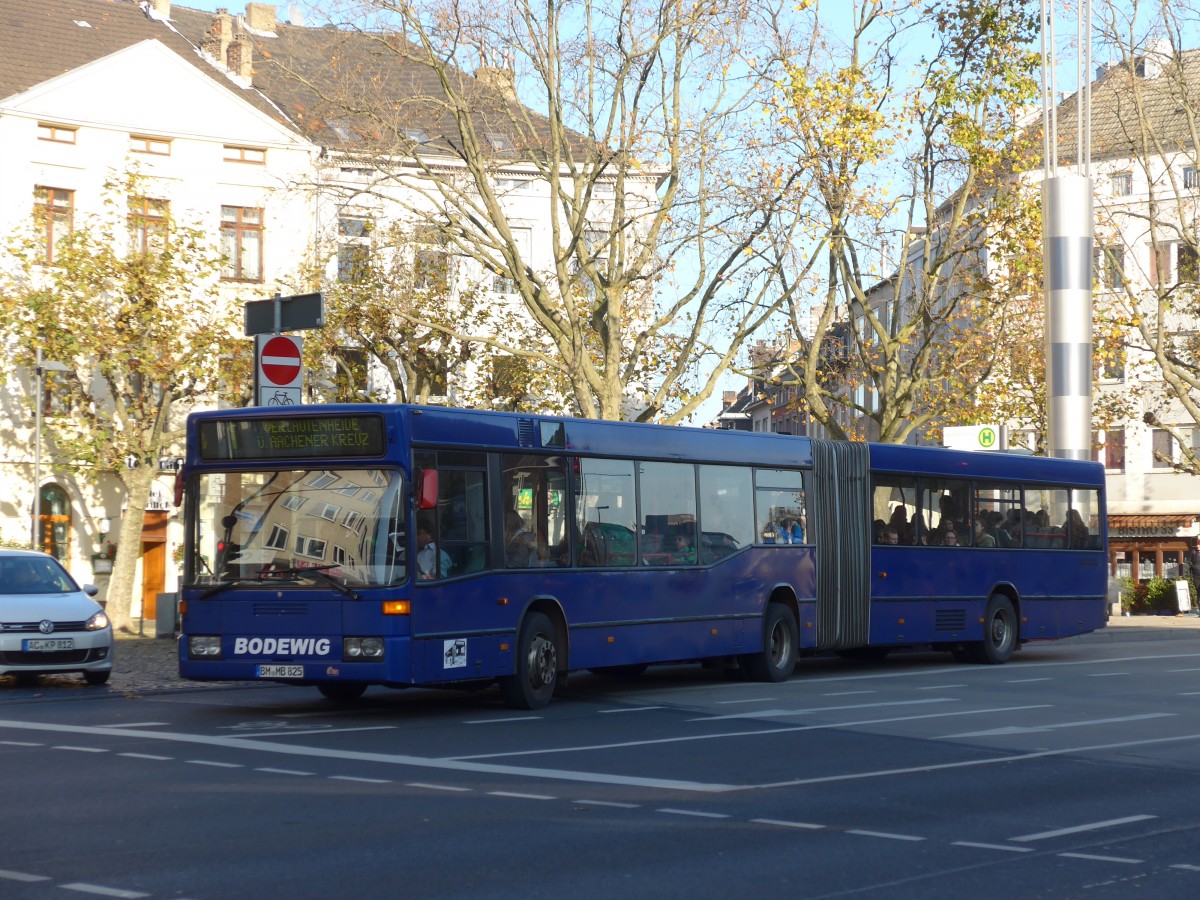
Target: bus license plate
<point>281,671</point>
<point>45,645</point>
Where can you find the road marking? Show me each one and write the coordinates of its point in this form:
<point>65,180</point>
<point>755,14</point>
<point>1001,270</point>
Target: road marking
<point>1037,729</point>
<point>787,729</point>
<point>101,890</point>
<point>940,687</point>
<point>20,743</point>
<point>1186,866</point>
<point>751,700</point>
<point>1004,847</point>
<point>80,749</point>
<point>520,796</point>
<point>22,876</point>
<point>290,733</point>
<point>785,824</point>
<point>848,693</point>
<point>1106,674</point>
<point>885,834</point>
<point>217,765</point>
<point>611,803</point>
<point>1076,829</point>
<point>134,724</point>
<point>146,756</point>
<point>1172,671</point>
<point>364,780</point>
<point>693,812</point>
<point>1026,680</point>
<point>438,787</point>
<point>282,771</point>
<point>811,710</point>
<point>1113,859</point>
<point>503,721</point>
<point>629,709</point>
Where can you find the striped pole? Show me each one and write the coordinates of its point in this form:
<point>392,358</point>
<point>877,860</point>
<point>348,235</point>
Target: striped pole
<point>1067,231</point>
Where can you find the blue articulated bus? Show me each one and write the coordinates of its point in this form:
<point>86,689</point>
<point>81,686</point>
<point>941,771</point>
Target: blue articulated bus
<point>356,545</point>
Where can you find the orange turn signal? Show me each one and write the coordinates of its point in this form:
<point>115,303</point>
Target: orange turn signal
<point>395,607</point>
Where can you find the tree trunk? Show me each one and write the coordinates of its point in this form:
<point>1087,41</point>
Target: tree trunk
<point>129,548</point>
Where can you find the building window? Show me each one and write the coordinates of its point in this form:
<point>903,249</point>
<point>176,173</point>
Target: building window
<point>431,265</point>
<point>354,248</point>
<point>1110,268</point>
<point>147,224</point>
<point>59,134</point>
<point>241,243</point>
<point>254,155</point>
<point>1187,265</point>
<point>139,143</point>
<point>1162,449</point>
<point>1190,181</point>
<point>55,212</point>
<point>1122,184</point>
<point>1110,448</point>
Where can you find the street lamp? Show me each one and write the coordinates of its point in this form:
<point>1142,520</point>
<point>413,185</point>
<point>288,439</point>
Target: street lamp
<point>40,368</point>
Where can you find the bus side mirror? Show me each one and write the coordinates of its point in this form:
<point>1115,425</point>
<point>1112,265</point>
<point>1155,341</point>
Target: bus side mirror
<point>179,489</point>
<point>427,489</point>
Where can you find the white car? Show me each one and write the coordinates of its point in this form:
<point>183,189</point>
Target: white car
<point>48,623</point>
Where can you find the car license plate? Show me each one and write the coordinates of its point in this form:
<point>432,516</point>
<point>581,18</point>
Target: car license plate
<point>44,645</point>
<point>281,671</point>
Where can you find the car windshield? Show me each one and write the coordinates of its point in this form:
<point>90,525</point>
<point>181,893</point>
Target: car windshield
<point>346,524</point>
<point>33,575</point>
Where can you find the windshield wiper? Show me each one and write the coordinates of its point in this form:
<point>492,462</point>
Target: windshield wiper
<point>317,572</point>
<point>217,588</point>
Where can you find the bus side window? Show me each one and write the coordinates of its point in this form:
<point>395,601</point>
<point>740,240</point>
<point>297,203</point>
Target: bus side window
<point>781,513</point>
<point>726,511</point>
<point>533,491</point>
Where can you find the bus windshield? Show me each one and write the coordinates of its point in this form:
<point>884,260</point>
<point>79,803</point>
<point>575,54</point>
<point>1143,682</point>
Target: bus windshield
<point>316,527</point>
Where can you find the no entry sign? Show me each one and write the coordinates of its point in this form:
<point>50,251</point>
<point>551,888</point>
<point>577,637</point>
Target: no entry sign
<point>278,373</point>
<point>280,361</point>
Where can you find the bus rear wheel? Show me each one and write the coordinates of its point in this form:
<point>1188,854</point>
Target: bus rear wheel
<point>999,633</point>
<point>532,686</point>
<point>780,642</point>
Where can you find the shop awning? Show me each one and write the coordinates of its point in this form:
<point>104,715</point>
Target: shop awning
<point>1151,526</point>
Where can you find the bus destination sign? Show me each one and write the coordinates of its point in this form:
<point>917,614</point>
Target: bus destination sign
<point>298,437</point>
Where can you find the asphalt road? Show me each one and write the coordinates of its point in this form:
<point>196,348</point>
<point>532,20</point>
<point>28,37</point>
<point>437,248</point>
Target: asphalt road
<point>1067,773</point>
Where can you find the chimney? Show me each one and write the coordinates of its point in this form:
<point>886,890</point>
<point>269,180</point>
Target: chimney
<point>160,10</point>
<point>728,398</point>
<point>260,17</point>
<point>240,57</point>
<point>498,78</point>
<point>220,34</point>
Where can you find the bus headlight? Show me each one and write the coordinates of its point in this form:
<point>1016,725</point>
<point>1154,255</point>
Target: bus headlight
<point>362,648</point>
<point>204,646</point>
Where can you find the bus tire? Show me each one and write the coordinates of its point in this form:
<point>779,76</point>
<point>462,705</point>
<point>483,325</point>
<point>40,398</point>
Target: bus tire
<point>781,638</point>
<point>999,632</point>
<point>342,691</point>
<point>532,685</point>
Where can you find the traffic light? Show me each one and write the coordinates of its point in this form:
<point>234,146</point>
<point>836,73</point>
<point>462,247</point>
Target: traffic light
<point>227,552</point>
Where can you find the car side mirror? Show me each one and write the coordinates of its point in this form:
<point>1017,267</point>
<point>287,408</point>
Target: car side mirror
<point>91,590</point>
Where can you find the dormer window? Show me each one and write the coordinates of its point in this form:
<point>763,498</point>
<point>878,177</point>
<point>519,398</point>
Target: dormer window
<point>59,134</point>
<point>139,143</point>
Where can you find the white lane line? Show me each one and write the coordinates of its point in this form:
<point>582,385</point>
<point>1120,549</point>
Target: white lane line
<point>271,771</point>
<point>1172,671</point>
<point>216,765</point>
<point>1107,674</point>
<point>1038,729</point>
<point>356,778</point>
<point>940,687</point>
<point>520,796</point>
<point>1025,680</point>
<point>611,803</point>
<point>625,709</point>
<point>1112,859</point>
<point>885,834</point>
<point>134,724</point>
<point>693,812</point>
<point>146,756</point>
<point>1185,866</point>
<point>812,710</point>
<point>848,693</point>
<point>785,824</point>
<point>85,888</point>
<point>1190,694</point>
<point>751,700</point>
<point>280,732</point>
<point>1003,847</point>
<point>721,735</point>
<point>438,787</point>
<point>1076,829</point>
<point>9,875</point>
<point>502,721</point>
<point>80,749</point>
<point>20,743</point>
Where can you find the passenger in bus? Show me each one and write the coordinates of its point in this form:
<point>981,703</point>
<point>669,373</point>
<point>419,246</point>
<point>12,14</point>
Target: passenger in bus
<point>890,536</point>
<point>1075,530</point>
<point>520,544</point>
<point>899,522</point>
<point>795,531</point>
<point>950,538</point>
<point>684,553</point>
<point>431,562</point>
<point>982,538</point>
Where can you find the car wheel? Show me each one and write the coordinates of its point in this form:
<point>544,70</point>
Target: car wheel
<point>97,677</point>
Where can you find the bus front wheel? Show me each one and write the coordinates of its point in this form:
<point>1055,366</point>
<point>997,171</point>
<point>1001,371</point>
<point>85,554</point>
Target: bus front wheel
<point>999,632</point>
<point>532,686</point>
<point>780,642</point>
